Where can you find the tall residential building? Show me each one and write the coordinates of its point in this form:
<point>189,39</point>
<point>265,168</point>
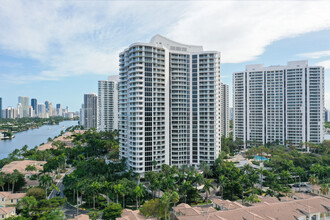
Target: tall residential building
<point>81,116</point>
<point>169,104</point>
<point>41,110</point>
<point>0,107</point>
<point>108,104</point>
<point>19,110</point>
<point>224,110</point>
<point>25,102</point>
<point>90,111</point>
<point>59,110</point>
<point>49,109</point>
<point>10,112</point>
<point>281,104</point>
<point>34,104</point>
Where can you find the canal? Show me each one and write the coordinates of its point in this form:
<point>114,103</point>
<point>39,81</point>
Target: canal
<point>33,137</point>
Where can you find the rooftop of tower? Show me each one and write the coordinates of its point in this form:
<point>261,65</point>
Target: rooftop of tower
<point>160,40</point>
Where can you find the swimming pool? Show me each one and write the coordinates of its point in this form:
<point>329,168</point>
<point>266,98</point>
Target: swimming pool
<point>260,158</point>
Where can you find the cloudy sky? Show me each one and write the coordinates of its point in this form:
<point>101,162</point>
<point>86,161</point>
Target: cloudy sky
<point>57,50</point>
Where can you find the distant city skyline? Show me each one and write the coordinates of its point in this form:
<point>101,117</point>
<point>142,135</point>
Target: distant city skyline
<point>87,37</point>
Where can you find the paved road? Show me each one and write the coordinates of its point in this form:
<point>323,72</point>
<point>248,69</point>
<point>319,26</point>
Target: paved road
<point>71,212</point>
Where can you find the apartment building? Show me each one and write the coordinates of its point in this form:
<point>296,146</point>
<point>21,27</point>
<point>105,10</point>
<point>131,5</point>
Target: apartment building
<point>90,111</point>
<point>282,104</point>
<point>108,104</point>
<point>169,104</point>
<point>225,113</point>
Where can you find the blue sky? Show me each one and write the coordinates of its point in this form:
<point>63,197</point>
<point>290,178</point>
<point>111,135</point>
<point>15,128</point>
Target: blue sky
<point>58,50</point>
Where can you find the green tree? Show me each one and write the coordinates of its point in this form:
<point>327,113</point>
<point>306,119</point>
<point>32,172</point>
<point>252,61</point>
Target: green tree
<point>222,180</point>
<point>36,192</point>
<point>175,198</point>
<point>46,181</point>
<point>207,187</point>
<point>324,189</point>
<point>152,209</point>
<point>165,201</point>
<point>112,211</point>
<point>26,205</point>
<point>94,215</point>
<point>138,192</point>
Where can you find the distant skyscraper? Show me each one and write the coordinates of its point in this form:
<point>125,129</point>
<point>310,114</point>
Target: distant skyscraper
<point>31,112</point>
<point>25,101</point>
<point>169,104</point>
<point>108,104</point>
<point>231,110</point>
<point>41,110</point>
<point>34,104</point>
<point>326,115</point>
<point>0,107</point>
<point>282,104</point>
<point>59,110</point>
<point>90,111</point>
<point>19,110</point>
<point>10,112</point>
<point>81,116</point>
<point>50,109</point>
<point>224,110</point>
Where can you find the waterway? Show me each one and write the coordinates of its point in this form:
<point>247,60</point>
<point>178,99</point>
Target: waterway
<point>33,137</point>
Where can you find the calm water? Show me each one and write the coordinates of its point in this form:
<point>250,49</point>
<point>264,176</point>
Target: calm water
<point>32,137</point>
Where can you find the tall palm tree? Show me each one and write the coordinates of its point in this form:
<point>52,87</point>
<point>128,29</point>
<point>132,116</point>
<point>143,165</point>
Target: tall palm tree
<point>165,200</point>
<point>207,187</point>
<point>139,192</point>
<point>13,178</point>
<point>221,183</point>
<point>46,181</point>
<point>285,175</point>
<point>118,189</point>
<point>324,189</point>
<point>313,180</point>
<point>175,197</point>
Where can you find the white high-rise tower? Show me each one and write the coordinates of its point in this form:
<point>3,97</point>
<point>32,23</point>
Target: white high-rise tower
<point>282,104</point>
<point>169,104</point>
<point>108,104</point>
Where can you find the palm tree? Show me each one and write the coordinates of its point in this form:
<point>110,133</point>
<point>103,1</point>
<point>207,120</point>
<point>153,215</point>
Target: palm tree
<point>324,189</point>
<point>165,200</point>
<point>94,187</point>
<point>221,183</point>
<point>175,198</point>
<point>313,180</point>
<point>207,187</point>
<point>285,175</point>
<point>205,168</point>
<point>2,180</point>
<point>46,181</point>
<point>118,189</point>
<point>139,192</point>
<point>13,178</point>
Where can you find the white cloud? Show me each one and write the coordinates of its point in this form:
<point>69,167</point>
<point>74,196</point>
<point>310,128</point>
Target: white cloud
<point>325,64</point>
<point>316,55</point>
<point>242,29</point>
<point>74,38</point>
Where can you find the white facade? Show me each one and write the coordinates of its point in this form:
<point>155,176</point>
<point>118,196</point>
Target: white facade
<point>225,113</point>
<point>25,102</point>
<point>108,104</point>
<point>281,104</point>
<point>169,104</point>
